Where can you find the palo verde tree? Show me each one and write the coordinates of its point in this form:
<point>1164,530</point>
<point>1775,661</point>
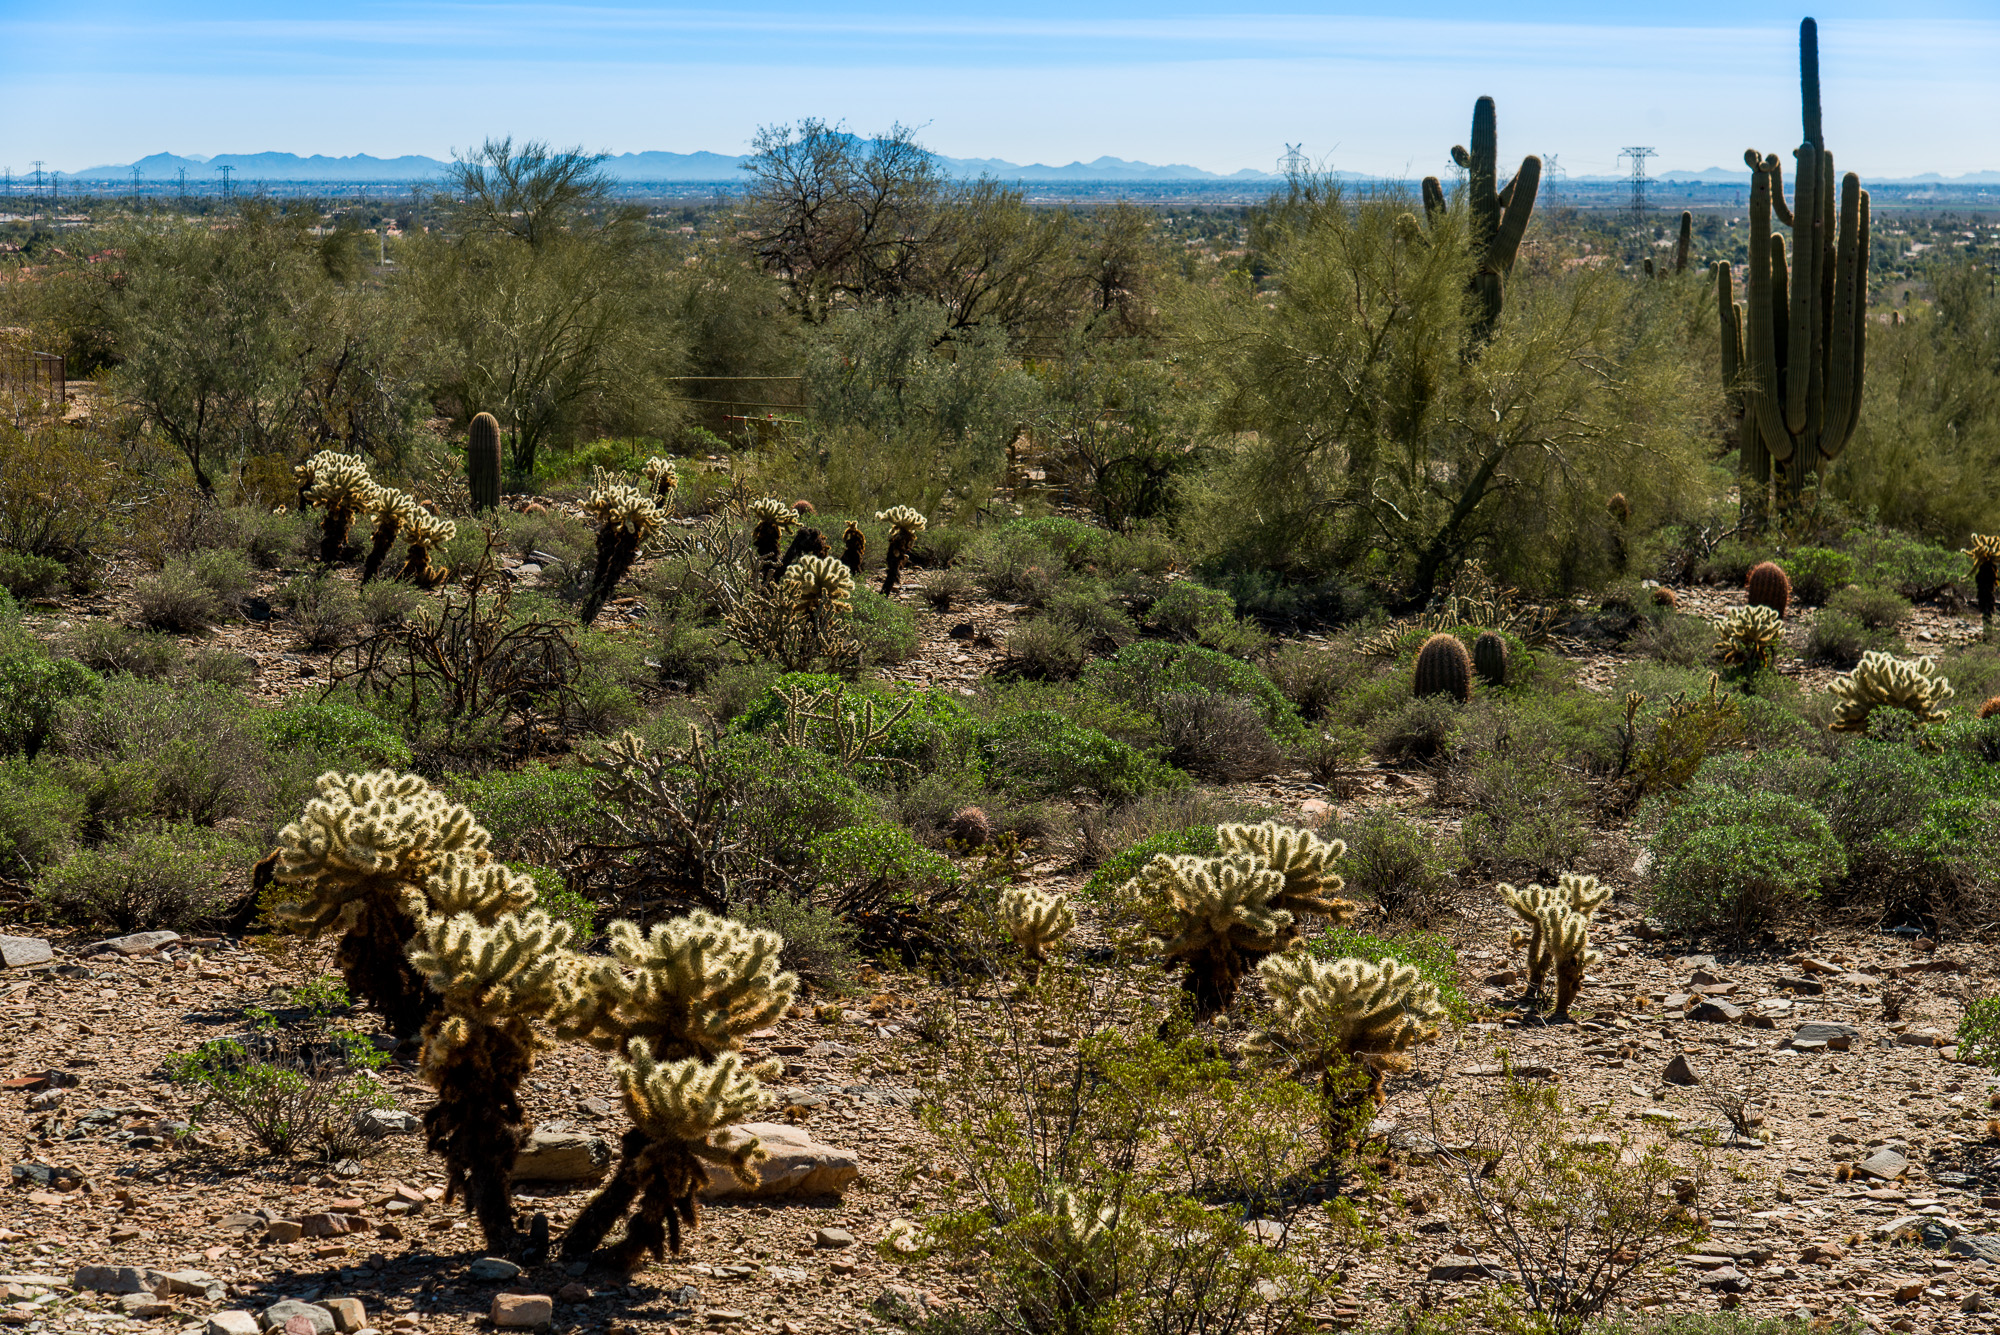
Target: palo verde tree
<point>1373,424</point>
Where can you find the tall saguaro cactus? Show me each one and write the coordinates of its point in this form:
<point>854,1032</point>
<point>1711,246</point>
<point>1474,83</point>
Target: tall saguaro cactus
<point>1795,353</point>
<point>1499,213</point>
<point>482,461</point>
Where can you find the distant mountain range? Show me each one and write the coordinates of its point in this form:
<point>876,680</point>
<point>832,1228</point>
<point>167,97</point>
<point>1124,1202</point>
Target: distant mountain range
<point>654,166</point>
<point>248,168</point>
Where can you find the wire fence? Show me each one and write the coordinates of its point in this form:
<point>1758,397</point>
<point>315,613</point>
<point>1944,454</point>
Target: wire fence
<point>34,374</point>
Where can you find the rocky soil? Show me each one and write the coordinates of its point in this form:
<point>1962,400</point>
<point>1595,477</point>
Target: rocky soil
<point>1869,1180</point>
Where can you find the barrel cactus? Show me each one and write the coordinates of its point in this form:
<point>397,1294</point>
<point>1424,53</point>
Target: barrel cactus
<point>1444,668</point>
<point>1768,586</point>
<point>1489,658</point>
<point>1882,680</point>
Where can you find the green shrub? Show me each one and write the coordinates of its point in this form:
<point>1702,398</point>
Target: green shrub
<point>290,1089</point>
<point>940,546</point>
<point>869,867</point>
<point>1735,863</point>
<point>1529,816</point>
<point>1817,573</point>
<point>1675,639</point>
<point>554,897</point>
<point>884,628</point>
<point>1084,607</point>
<point>1979,1033</point>
<point>27,576</point>
<point>1431,954</point>
<point>1394,862</point>
<point>106,646</point>
<point>820,945</point>
<point>1078,545</point>
<point>1046,649</point>
<point>1198,840</point>
<point>1017,566</point>
<point>33,689</point>
<point>175,753</point>
<point>1874,607</point>
<point>387,602</point>
<point>39,819</point>
<point>1146,673</point>
<point>1421,728</point>
<point>173,876</point>
<point>324,608</point>
<point>220,667</point>
<point>534,811</point>
<point>1043,754</point>
<point>193,592</point>
<point>1917,570</point>
<point>332,734</point>
<point>1187,608</point>
<point>1838,640</point>
<point>1312,677</point>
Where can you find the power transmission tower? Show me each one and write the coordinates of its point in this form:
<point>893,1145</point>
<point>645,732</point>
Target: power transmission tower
<point>1638,156</point>
<point>184,187</point>
<point>38,176</point>
<point>225,169</point>
<point>1294,161</point>
<point>1552,179</point>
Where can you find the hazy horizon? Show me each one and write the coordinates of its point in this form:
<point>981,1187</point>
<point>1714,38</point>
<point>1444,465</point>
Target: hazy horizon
<point>1166,83</point>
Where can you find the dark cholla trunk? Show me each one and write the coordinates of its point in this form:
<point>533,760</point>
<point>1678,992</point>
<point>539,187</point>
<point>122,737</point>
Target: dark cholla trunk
<point>476,1126</point>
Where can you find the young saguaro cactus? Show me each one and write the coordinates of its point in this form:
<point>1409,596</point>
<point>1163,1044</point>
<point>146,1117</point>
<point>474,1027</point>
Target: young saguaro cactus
<point>1305,860</point>
<point>482,461</point>
<point>1037,921</point>
<point>364,853</point>
<point>1334,1016</point>
<point>1882,680</point>
<point>1444,668</point>
<point>1223,916</point>
<point>904,523</point>
<point>674,1011</point>
<point>492,980</point>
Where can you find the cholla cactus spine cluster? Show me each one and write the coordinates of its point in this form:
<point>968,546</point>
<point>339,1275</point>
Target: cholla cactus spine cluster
<point>338,484</point>
<point>1581,895</point>
<point>365,851</point>
<point>661,473</point>
<point>426,532</point>
<point>905,524</point>
<point>697,985</point>
<point>393,511</point>
<point>1305,860</point>
<point>1748,637</point>
<point>626,517</point>
<point>1223,914</point>
<point>1352,1010</point>
<point>1565,935</point>
<point>1037,920</point>
<point>1884,680</point>
<point>820,585</point>
<point>774,518</point>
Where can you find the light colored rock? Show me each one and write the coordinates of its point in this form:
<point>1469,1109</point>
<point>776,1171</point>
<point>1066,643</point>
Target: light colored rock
<point>522,1311</point>
<point>1886,1164</point>
<point>387,1122</point>
<point>798,1165</point>
<point>117,1279</point>
<point>280,1313</point>
<point>562,1156</point>
<point>144,1306</point>
<point>832,1237</point>
<point>231,1323</point>
<point>138,943</point>
<point>493,1269</point>
<point>284,1230</point>
<point>1984,1247</point>
<point>348,1314</point>
<point>18,952</point>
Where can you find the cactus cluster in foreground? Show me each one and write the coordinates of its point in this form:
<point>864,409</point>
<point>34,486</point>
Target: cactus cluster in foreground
<point>1882,680</point>
<point>1351,1012</point>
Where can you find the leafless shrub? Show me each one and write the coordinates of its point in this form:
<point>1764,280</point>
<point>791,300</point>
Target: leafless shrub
<point>1217,736</point>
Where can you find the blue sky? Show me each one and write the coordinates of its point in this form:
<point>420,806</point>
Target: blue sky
<point>1377,88</point>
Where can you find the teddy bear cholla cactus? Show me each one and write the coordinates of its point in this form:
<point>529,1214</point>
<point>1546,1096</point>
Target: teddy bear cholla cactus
<point>905,523</point>
<point>774,519</point>
<point>660,472</point>
<point>1037,920</point>
<point>394,510</point>
<point>338,484</point>
<point>626,517</point>
<point>1223,914</point>
<point>1332,1016</point>
<point>675,1022</point>
<point>1572,893</point>
<point>492,979</point>
<point>1883,680</point>
<point>364,852</point>
<point>426,533</point>
<point>1747,636</point>
<point>1565,936</point>
<point>1305,861</point>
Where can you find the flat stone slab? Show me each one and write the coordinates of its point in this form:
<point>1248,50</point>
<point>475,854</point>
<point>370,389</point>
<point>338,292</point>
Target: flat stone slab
<point>1838,1036</point>
<point>797,1164</point>
<point>1885,1164</point>
<point>18,952</point>
<point>138,943</point>
<point>563,1156</point>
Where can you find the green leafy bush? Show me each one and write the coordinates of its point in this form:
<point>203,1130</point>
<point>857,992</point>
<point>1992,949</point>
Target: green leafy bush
<point>323,607</point>
<point>145,749</point>
<point>1735,863</point>
<point>290,1089</point>
<point>1046,649</point>
<point>1016,565</point>
<point>148,876</point>
<point>1838,640</point>
<point>1043,754</point>
<point>876,865</point>
<point>1817,573</point>
<point>1143,674</point>
<point>1394,862</point>
<point>33,688</point>
<point>1420,728</point>
<point>1874,607</point>
<point>533,811</point>
<point>39,819</point>
<point>1085,608</point>
<point>883,627</point>
<point>1979,1033</point>
<point>555,897</point>
<point>820,945</point>
<point>192,592</point>
<point>1187,609</point>
<point>27,576</point>
<point>1198,840</point>
<point>333,734</point>
<point>1077,544</point>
